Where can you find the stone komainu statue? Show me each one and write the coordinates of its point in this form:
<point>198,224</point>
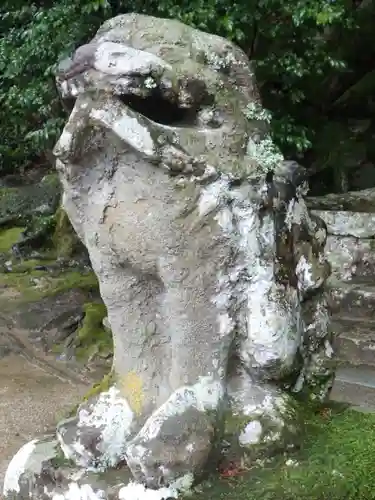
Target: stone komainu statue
<point>211,268</point>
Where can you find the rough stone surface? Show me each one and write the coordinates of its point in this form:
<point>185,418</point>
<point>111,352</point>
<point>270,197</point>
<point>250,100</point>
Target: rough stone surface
<point>209,263</point>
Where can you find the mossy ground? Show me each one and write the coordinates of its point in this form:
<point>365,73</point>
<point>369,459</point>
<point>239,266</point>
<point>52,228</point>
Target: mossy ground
<point>9,237</point>
<point>32,280</point>
<point>33,285</point>
<point>336,462</point>
<point>92,338</point>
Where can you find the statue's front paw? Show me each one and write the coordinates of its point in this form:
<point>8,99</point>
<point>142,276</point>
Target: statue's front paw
<point>171,447</point>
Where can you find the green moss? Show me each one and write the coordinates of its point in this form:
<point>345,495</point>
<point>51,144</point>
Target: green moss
<point>9,237</point>
<point>235,423</point>
<point>92,338</point>
<point>27,266</point>
<point>336,462</point>
<point>35,285</point>
<point>59,460</point>
<point>65,239</point>
<point>102,386</point>
<point>38,233</point>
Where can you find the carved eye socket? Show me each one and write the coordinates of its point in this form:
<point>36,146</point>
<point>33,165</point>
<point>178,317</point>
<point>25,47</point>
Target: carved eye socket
<point>160,110</point>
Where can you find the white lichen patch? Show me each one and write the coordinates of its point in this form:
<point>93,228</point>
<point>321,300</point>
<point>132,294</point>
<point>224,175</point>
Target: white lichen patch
<point>272,313</point>
<point>80,492</point>
<point>320,325</point>
<point>304,274</point>
<point>213,196</point>
<point>150,83</point>
<point>17,467</point>
<point>270,326</point>
<point>297,213</point>
<point>220,62</point>
<point>64,144</point>
<point>189,447</point>
<point>329,352</point>
<point>308,279</point>
<point>273,407</point>
<point>251,434</point>
<point>112,416</point>
<point>226,324</point>
<point>136,491</point>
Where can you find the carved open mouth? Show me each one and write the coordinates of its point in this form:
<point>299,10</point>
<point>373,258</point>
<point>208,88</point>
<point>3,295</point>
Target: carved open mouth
<point>163,105</point>
<point>160,110</point>
<point>155,107</point>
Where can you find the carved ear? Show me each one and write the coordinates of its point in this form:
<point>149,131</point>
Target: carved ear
<point>82,60</point>
<point>67,103</point>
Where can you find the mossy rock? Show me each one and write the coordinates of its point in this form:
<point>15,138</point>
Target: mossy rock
<point>265,433</point>
<point>92,338</point>
<point>65,239</point>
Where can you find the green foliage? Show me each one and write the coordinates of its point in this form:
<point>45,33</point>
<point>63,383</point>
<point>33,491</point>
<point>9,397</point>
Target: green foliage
<point>286,39</point>
<point>302,51</point>
<point>34,36</point>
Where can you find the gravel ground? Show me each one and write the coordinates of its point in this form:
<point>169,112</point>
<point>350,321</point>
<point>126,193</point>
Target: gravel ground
<point>31,401</point>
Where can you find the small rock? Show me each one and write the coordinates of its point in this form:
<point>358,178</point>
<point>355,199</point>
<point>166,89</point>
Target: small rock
<point>291,463</point>
<point>8,265</point>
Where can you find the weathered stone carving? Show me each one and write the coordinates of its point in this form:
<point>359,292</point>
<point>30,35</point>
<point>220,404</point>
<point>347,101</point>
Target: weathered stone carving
<point>210,266</point>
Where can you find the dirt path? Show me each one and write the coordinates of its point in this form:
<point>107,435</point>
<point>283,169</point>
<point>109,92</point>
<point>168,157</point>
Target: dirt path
<point>34,392</point>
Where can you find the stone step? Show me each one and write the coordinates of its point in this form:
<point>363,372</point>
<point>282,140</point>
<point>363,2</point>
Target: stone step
<point>355,341</point>
<point>356,299</point>
<point>342,223</point>
<point>351,258</point>
<point>362,201</point>
<point>355,385</point>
